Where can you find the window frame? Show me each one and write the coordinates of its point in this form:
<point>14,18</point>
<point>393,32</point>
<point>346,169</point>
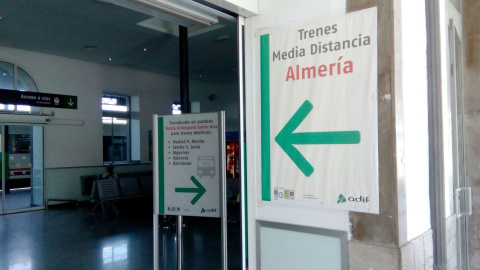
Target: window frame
<point>113,114</point>
<point>16,79</point>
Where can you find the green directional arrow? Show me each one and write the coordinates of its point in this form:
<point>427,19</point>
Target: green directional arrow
<point>286,138</point>
<point>200,190</point>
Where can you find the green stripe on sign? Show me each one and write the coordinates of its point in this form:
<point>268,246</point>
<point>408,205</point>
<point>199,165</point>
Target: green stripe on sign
<point>265,111</point>
<point>161,168</point>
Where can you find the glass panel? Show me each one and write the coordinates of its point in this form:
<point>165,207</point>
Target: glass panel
<point>114,103</point>
<point>37,165</point>
<point>17,185</point>
<point>2,170</point>
<point>306,248</point>
<point>462,223</point>
<point>6,82</point>
<point>115,139</point>
<point>107,135</point>
<point>24,152</point>
<point>116,128</point>
<point>6,75</point>
<point>25,82</point>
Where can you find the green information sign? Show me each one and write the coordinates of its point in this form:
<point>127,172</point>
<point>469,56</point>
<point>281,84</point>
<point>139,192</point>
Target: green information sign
<point>189,160</point>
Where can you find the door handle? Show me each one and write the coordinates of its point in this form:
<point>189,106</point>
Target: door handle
<point>468,207</point>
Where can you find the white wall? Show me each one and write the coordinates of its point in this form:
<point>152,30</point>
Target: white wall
<point>225,98</point>
<point>75,146</point>
<point>273,13</point>
<point>72,146</point>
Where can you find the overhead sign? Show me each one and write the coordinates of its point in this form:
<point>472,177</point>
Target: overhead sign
<point>319,113</point>
<point>37,99</point>
<point>189,162</point>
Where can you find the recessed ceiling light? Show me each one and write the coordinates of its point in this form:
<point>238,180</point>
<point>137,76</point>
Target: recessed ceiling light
<point>109,59</point>
<point>144,49</point>
<point>90,47</point>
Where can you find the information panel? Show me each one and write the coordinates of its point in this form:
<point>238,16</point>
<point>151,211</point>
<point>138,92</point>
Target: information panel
<point>189,162</point>
<point>319,112</point>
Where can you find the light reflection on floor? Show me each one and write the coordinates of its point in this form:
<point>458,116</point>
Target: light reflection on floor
<point>115,253</point>
<point>25,265</point>
<point>17,199</point>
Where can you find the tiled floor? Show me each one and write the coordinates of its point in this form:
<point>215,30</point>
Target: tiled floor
<point>69,237</point>
<point>16,199</point>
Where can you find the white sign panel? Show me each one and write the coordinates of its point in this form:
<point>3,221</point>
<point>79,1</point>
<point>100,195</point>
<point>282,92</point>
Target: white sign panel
<point>319,113</point>
<point>189,164</point>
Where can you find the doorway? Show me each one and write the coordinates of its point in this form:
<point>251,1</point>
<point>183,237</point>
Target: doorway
<point>21,159</point>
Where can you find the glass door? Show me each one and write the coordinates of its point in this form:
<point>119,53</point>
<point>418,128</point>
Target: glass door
<point>463,202</point>
<point>2,170</point>
<point>22,168</point>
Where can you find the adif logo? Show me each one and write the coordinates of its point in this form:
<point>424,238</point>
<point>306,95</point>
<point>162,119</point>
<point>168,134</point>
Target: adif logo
<point>213,210</point>
<point>362,199</point>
